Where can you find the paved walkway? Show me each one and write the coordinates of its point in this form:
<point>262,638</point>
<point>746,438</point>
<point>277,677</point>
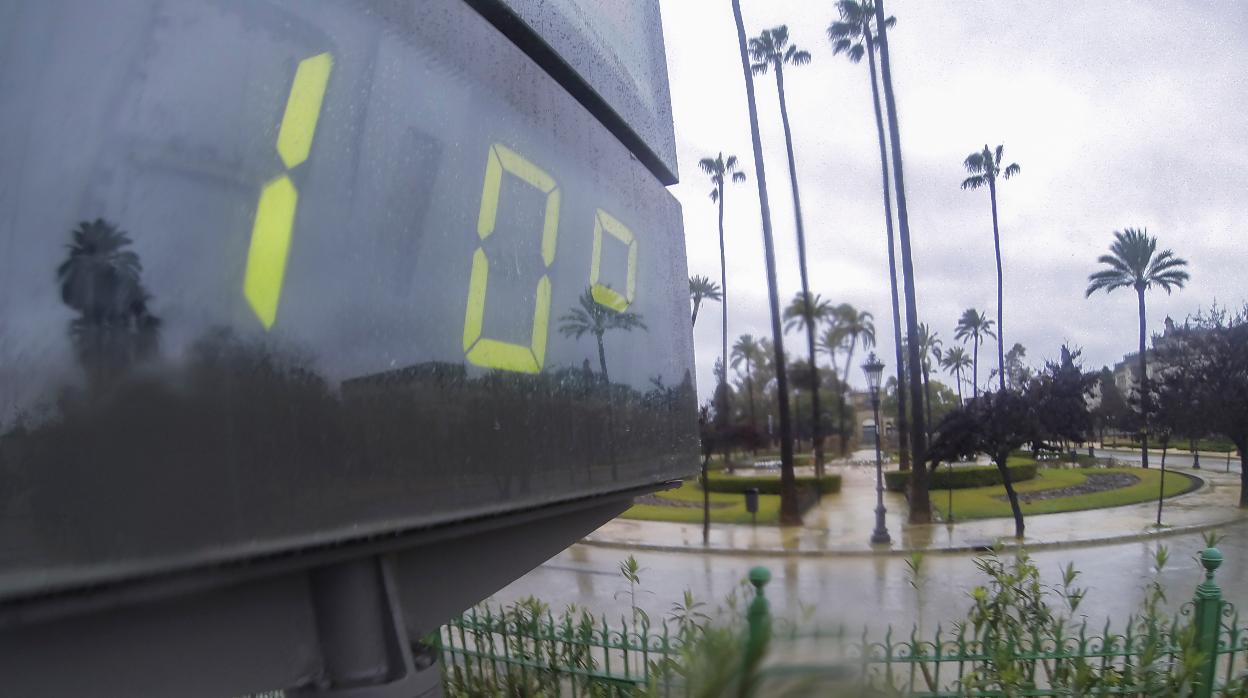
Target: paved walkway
<point>841,524</point>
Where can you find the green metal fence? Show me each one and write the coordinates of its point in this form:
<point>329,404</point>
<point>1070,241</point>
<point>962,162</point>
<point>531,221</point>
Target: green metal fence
<point>523,651</point>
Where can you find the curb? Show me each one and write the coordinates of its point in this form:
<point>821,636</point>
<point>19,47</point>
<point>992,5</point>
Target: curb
<point>1005,543</point>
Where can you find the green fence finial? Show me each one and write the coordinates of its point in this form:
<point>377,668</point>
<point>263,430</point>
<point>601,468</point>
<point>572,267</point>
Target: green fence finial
<point>758,618</point>
<point>1208,613</point>
<point>1211,558</point>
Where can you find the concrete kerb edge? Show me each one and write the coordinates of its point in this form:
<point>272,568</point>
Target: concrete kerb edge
<point>1005,543</point>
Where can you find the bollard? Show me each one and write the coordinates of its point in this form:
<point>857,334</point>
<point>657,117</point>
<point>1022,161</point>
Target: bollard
<point>758,633</point>
<point>1208,615</point>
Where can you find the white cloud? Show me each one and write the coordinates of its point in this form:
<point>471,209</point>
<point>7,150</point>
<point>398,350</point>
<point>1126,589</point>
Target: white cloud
<point>1120,113</point>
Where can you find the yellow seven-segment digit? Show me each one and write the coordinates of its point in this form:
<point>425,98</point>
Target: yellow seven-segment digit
<point>605,295</point>
<point>493,353</point>
<point>275,212</point>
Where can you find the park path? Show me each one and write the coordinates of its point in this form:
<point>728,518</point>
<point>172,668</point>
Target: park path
<point>841,524</point>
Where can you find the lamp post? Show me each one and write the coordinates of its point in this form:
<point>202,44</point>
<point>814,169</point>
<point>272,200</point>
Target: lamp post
<point>874,369</point>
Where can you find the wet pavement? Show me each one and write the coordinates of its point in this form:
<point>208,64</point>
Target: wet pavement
<point>842,523</point>
<point>874,591</point>
<point>828,574</point>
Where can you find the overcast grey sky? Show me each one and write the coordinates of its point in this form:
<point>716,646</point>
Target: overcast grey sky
<point>1120,114</point>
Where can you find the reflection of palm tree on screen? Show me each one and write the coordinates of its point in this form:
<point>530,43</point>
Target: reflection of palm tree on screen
<point>597,319</point>
<point>100,279</point>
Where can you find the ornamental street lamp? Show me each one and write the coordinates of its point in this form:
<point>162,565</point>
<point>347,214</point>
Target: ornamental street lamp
<point>874,369</point>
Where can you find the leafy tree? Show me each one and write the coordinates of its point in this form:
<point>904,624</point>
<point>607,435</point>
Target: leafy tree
<point>789,515</point>
<point>771,51</point>
<point>920,504</point>
<point>854,35</point>
<point>594,318</point>
<point>1016,372</point>
<point>1112,410</point>
<point>1060,395</point>
<point>985,167</point>
<point>1205,366</point>
<point>973,326</point>
<point>1133,262</point>
<point>993,423</point>
<point>721,170</point>
<point>956,361</point>
<point>702,289</point>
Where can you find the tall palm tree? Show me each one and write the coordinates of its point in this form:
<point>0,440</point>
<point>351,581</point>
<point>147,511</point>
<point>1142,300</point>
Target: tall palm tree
<point>929,347</point>
<point>789,515</point>
<point>722,170</point>
<point>832,341</point>
<point>854,325</point>
<point>956,361</point>
<point>100,277</point>
<point>920,503</point>
<point>973,325</point>
<point>771,51</point>
<point>701,288</point>
<point>985,167</point>
<point>799,315</point>
<point>747,352</point>
<point>854,35</point>
<point>597,319</point>
<point>809,315</point>
<point>1133,262</point>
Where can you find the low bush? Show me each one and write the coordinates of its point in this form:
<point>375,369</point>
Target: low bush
<point>961,478</point>
<point>770,484</point>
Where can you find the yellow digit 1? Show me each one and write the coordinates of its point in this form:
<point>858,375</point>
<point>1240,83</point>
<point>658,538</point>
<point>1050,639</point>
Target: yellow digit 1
<point>605,295</point>
<point>492,353</point>
<point>275,212</point>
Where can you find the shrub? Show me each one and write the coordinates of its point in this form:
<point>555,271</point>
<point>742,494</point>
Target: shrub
<point>769,484</point>
<point>961,478</point>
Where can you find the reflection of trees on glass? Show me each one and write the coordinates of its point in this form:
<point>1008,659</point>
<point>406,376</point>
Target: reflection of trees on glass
<point>597,319</point>
<point>100,279</point>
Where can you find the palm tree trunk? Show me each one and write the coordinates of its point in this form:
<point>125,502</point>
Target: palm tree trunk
<point>602,360</point>
<point>816,430</point>
<point>723,290</point>
<point>789,515</point>
<point>903,437</point>
<point>693,319</point>
<point>1139,292</point>
<point>927,399</point>
<point>749,383</point>
<point>844,403</point>
<point>957,375</point>
<point>920,503</point>
<point>975,368</point>
<point>996,242</point>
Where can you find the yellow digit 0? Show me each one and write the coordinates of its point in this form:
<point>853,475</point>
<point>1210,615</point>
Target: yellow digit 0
<point>493,353</point>
<point>605,295</point>
<point>275,211</point>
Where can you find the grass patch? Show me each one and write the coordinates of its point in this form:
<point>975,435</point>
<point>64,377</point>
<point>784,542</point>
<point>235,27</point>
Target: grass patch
<point>735,513</point>
<point>982,502</point>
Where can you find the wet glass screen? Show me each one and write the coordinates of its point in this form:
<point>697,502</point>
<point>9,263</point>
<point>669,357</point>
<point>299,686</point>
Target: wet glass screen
<point>283,274</point>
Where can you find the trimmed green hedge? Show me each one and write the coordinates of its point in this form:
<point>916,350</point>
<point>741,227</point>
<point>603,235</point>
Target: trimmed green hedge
<point>961,478</point>
<point>769,484</point>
